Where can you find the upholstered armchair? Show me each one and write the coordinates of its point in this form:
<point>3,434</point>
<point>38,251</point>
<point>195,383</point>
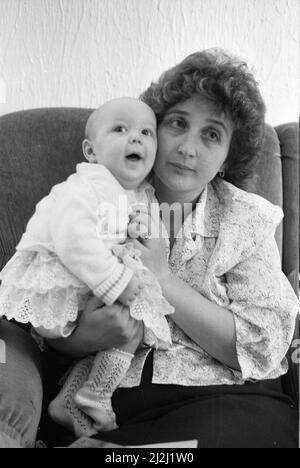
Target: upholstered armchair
<point>40,148</point>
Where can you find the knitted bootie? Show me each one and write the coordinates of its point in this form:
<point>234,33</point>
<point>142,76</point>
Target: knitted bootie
<point>63,409</point>
<point>94,398</point>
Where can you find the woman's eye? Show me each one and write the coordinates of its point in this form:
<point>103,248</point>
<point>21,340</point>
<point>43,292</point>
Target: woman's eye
<point>177,123</point>
<point>120,129</point>
<point>212,135</point>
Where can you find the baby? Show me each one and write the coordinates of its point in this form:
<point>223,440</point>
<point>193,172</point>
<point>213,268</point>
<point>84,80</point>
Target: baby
<point>75,245</point>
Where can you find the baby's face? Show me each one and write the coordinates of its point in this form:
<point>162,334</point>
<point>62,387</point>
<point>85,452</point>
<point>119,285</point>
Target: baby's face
<point>124,140</point>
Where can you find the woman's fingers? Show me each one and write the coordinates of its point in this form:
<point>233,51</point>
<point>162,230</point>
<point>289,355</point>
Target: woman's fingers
<point>138,245</point>
<point>94,303</point>
<point>144,226</point>
<point>145,222</point>
<point>107,326</point>
<point>143,218</point>
<point>137,229</point>
<point>140,208</point>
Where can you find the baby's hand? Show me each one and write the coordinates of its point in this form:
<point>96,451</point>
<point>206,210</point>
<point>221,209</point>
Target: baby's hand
<point>131,291</point>
<point>137,230</point>
<point>139,225</point>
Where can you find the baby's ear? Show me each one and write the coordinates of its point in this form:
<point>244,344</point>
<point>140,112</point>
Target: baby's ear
<point>88,151</point>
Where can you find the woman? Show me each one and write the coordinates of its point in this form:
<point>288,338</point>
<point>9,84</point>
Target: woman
<point>235,311</point>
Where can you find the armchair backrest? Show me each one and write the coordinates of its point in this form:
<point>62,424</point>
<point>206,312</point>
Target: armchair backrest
<point>38,149</point>
<point>278,181</point>
<point>41,147</point>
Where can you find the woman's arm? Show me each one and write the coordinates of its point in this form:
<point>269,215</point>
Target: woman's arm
<point>212,327</point>
<point>98,328</point>
<point>209,325</point>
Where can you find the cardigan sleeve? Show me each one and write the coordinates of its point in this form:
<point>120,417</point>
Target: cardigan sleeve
<point>264,307</point>
<point>75,234</point>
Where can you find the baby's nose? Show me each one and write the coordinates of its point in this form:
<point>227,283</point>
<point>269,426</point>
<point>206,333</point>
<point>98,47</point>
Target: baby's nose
<point>135,138</point>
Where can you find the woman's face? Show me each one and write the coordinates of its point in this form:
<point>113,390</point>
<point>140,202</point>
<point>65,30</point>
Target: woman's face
<point>193,143</point>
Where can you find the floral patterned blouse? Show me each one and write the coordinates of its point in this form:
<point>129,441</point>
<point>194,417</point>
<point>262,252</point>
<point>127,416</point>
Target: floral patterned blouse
<point>226,250</point>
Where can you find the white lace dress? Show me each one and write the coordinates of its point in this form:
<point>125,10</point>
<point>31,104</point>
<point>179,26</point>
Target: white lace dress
<point>69,252</point>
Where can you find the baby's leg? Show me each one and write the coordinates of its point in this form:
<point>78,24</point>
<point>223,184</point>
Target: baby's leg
<point>94,397</point>
<point>63,409</point>
<point>109,369</point>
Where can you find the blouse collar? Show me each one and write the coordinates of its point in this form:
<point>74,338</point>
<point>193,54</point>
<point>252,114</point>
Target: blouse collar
<point>205,219</point>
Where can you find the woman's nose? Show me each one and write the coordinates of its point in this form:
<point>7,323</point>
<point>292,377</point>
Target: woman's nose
<point>187,149</point>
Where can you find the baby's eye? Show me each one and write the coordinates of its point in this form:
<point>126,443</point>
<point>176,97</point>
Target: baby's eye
<point>120,129</point>
<point>147,132</point>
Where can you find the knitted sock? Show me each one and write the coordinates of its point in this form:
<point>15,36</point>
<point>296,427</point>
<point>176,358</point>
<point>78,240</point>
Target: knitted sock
<point>63,409</point>
<point>94,397</point>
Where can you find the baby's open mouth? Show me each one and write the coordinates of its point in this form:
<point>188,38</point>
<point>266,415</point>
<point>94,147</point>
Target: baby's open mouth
<point>133,157</point>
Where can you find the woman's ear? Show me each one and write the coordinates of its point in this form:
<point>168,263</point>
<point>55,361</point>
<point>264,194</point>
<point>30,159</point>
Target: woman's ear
<point>88,151</point>
<point>223,167</point>
<point>221,172</point>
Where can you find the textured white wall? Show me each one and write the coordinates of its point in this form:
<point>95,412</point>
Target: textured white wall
<point>82,52</point>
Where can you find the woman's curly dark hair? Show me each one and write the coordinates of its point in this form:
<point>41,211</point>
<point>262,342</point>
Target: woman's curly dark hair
<point>227,83</point>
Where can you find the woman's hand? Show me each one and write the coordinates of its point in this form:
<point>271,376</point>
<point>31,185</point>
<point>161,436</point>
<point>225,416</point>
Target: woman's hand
<point>107,326</point>
<point>99,328</point>
<point>131,291</point>
<point>153,249</point>
<point>144,223</point>
<point>154,257</point>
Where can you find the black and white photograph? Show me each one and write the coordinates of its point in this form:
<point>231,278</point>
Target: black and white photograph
<point>149,226</point>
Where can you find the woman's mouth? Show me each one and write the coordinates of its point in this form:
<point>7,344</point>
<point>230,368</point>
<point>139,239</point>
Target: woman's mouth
<point>182,167</point>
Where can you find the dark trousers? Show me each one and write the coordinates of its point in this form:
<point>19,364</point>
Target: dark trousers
<point>254,415</point>
<point>251,415</point>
